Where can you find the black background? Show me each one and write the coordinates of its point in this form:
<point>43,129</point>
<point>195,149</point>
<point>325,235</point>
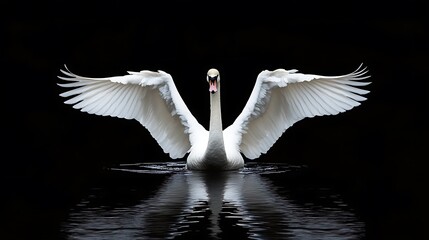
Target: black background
<point>52,152</point>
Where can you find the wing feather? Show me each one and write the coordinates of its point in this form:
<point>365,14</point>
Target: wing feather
<point>313,101</point>
<point>325,101</point>
<point>149,97</point>
<point>280,98</point>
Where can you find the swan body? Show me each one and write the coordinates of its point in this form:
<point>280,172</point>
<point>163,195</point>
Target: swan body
<point>279,99</point>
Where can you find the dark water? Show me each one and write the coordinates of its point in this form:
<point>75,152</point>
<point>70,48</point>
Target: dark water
<point>164,201</point>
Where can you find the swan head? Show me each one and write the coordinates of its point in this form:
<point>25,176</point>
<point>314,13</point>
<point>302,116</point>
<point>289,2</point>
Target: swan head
<point>213,80</point>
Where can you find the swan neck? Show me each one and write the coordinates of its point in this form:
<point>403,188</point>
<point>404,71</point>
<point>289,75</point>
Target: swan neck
<point>215,113</point>
<point>215,155</point>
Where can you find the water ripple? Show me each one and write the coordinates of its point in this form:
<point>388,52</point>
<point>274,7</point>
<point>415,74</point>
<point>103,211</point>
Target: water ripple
<point>244,204</point>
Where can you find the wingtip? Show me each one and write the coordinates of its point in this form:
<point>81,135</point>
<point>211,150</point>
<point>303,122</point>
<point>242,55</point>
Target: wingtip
<point>66,71</point>
<point>361,68</point>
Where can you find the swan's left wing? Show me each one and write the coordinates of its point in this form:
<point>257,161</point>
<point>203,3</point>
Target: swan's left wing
<point>280,98</point>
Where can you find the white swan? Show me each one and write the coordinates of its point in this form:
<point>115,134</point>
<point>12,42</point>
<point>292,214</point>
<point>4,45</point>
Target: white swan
<point>279,99</point>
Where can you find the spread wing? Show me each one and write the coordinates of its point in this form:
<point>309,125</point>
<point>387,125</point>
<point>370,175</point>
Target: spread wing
<point>280,98</point>
<point>149,97</point>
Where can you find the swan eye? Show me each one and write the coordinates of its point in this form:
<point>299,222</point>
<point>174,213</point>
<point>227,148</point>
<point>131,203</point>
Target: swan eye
<point>211,78</point>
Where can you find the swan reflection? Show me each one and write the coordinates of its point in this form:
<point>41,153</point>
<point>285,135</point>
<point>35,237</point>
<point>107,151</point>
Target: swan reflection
<point>215,205</point>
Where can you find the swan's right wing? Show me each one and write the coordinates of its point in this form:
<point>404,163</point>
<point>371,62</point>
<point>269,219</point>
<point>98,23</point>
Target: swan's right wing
<point>149,97</point>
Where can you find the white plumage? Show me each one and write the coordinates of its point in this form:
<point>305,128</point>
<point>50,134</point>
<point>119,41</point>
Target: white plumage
<point>279,99</point>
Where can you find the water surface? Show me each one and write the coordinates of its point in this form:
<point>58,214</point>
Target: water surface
<point>165,201</point>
